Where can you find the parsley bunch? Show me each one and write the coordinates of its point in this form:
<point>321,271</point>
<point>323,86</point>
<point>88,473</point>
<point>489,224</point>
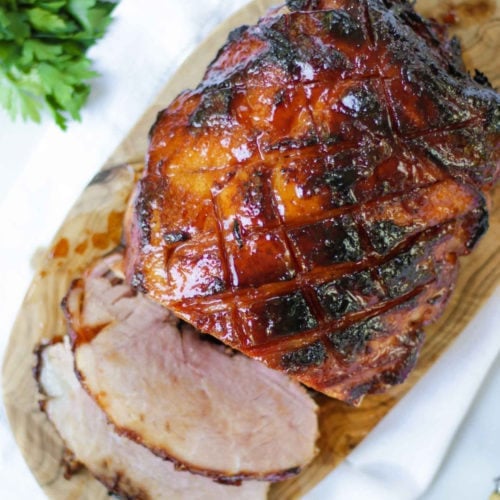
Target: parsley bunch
<point>42,55</point>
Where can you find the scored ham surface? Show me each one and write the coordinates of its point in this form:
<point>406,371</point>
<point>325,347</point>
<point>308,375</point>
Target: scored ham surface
<point>123,466</point>
<point>187,399</point>
<point>307,202</point>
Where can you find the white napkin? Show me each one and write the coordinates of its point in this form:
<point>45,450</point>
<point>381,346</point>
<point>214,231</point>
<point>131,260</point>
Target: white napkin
<point>399,458</point>
<point>144,45</point>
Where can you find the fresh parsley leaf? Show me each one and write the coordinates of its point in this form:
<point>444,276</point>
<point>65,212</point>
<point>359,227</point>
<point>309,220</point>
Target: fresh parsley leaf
<point>80,10</point>
<point>53,6</point>
<point>46,22</point>
<point>43,63</point>
<point>36,50</point>
<point>14,26</point>
<point>17,97</point>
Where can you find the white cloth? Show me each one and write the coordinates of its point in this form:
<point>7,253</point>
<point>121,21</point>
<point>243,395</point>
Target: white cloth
<point>43,170</point>
<point>400,457</point>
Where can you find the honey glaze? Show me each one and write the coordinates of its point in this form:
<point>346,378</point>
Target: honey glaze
<point>99,240</point>
<point>81,247</point>
<point>112,235</point>
<point>60,249</point>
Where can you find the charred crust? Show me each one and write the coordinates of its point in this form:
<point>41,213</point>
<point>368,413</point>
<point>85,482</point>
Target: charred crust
<point>481,79</point>
<point>138,282</point>
<point>394,375</point>
<point>413,17</point>
<point>356,393</point>
<point>385,235</point>
<point>455,49</point>
<point>336,301</point>
<point>361,101</point>
<point>214,107</point>
<point>216,286</point>
<point>237,233</point>
<point>301,5</point>
<point>406,271</point>
<point>349,248</point>
<point>279,97</point>
<point>341,23</point>
<point>310,355</point>
<point>351,341</point>
<point>341,297</point>
<point>173,237</point>
<point>143,211</point>
<point>479,226</point>
<point>288,314</point>
<point>329,241</point>
<point>281,49</point>
<point>493,117</point>
<point>340,182</point>
<point>474,153</point>
<point>236,34</point>
<point>289,143</point>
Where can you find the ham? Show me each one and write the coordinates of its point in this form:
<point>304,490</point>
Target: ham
<point>329,151</point>
<point>123,466</point>
<point>184,397</point>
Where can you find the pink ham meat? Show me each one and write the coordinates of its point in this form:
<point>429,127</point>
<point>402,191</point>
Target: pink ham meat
<point>123,466</point>
<point>185,398</point>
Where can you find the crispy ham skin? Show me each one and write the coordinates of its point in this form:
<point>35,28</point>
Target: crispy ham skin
<point>307,202</point>
<point>187,399</point>
<point>123,466</point>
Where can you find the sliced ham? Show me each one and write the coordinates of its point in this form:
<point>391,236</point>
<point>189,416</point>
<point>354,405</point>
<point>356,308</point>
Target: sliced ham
<point>184,397</point>
<point>123,466</point>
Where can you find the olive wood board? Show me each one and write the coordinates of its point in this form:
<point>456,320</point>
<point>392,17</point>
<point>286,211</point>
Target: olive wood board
<point>93,227</point>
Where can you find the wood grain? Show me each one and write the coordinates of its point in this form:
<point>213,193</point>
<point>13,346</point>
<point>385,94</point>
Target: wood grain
<point>93,227</point>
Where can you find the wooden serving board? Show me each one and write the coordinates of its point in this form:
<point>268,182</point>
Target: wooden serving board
<point>93,227</point>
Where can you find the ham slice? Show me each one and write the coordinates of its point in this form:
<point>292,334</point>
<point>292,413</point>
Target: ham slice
<point>123,466</point>
<point>182,396</point>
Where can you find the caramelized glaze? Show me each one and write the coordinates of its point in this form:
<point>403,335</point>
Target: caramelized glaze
<point>307,201</point>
